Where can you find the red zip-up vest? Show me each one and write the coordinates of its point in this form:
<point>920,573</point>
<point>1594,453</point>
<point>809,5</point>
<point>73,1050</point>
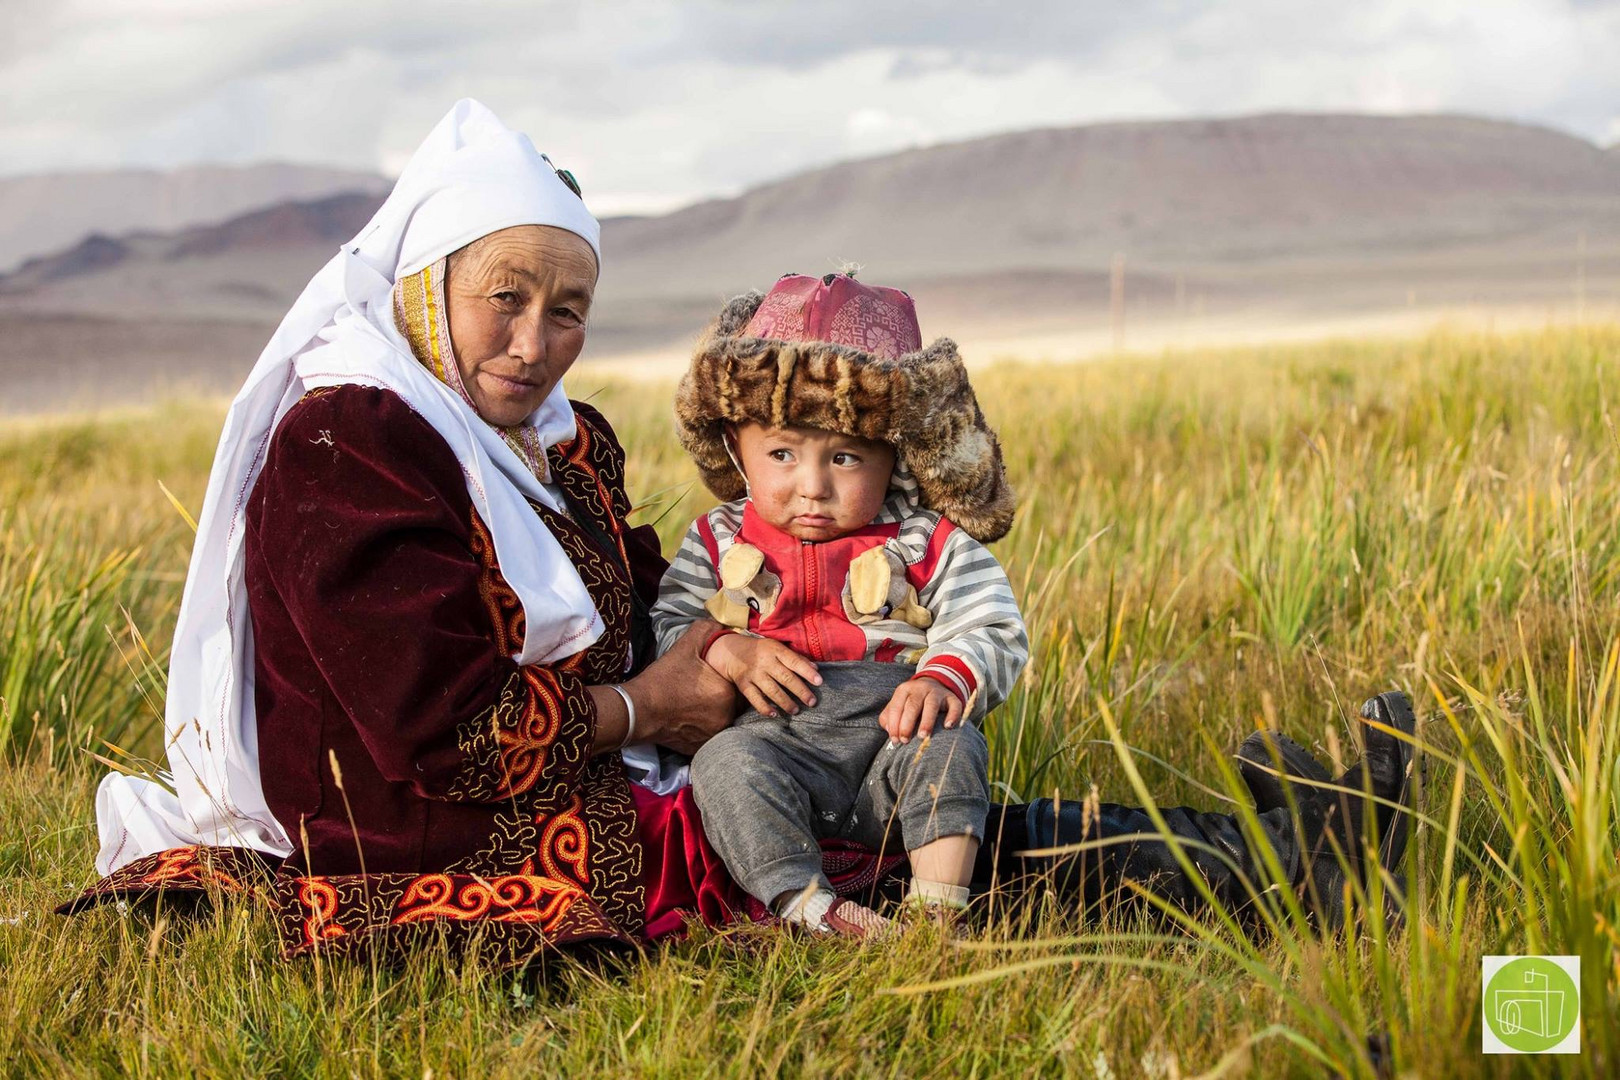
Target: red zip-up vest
<point>809,614</point>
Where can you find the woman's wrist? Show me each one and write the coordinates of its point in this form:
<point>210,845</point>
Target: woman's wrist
<point>680,700</point>
<point>648,714</point>
<point>630,714</point>
<point>613,718</point>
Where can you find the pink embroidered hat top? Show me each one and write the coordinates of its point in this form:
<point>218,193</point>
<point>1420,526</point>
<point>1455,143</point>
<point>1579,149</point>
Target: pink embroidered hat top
<point>841,310</point>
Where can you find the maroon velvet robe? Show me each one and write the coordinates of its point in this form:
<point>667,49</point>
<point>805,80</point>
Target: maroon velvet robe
<point>427,781</point>
<point>383,633</point>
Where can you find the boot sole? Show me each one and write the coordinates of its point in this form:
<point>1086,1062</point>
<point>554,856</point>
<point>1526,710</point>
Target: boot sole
<point>1394,710</point>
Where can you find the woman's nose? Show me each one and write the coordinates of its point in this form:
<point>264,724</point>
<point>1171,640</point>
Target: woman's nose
<point>528,342</point>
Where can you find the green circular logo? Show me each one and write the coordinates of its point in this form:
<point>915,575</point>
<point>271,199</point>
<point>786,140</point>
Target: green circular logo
<point>1531,1004</point>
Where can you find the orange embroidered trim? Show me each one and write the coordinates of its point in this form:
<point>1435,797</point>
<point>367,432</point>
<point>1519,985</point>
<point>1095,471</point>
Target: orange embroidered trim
<point>578,454</point>
<point>320,903</point>
<point>565,842</point>
<point>500,599</point>
<point>194,869</point>
<point>515,915</point>
<point>513,898</point>
<point>525,744</point>
<point>188,864</point>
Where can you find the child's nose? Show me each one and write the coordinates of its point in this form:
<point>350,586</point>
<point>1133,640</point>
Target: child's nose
<point>815,483</point>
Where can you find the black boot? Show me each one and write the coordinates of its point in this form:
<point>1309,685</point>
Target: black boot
<point>1388,767</point>
<point>1214,843</point>
<point>1265,761</point>
<point>1332,819</point>
<point>1314,855</point>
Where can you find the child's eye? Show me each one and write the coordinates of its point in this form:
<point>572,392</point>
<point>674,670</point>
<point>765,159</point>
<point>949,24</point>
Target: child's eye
<point>781,455</point>
<point>846,458</point>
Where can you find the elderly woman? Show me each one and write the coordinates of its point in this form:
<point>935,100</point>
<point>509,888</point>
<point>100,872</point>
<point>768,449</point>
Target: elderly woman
<point>411,677</point>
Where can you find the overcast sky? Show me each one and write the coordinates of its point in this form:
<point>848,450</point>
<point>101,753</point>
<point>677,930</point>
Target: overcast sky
<point>657,103</point>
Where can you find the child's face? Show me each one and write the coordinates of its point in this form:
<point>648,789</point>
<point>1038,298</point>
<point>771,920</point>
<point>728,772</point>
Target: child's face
<point>813,484</point>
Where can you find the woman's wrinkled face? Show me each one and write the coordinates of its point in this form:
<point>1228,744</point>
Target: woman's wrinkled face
<point>813,484</point>
<point>518,301</point>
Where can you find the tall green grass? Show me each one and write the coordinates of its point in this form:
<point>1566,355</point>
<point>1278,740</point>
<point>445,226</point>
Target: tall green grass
<point>1207,543</point>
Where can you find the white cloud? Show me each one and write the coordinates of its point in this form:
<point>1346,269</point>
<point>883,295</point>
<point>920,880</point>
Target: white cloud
<point>652,103</point>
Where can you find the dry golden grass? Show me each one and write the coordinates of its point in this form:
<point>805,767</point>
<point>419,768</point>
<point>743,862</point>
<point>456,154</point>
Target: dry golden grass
<point>1208,542</point>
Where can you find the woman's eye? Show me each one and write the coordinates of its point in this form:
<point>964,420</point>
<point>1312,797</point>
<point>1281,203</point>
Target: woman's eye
<point>507,296</point>
<point>568,315</point>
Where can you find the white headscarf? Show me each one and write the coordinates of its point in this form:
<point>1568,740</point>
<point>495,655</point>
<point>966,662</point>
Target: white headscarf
<point>472,176</point>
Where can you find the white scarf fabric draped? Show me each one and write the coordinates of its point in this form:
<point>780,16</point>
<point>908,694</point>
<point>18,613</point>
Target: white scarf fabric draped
<point>470,177</point>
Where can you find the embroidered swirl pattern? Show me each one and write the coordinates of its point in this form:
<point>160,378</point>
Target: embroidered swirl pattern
<point>514,898</point>
<point>565,842</point>
<point>516,915</point>
<point>526,740</point>
<point>194,869</point>
<point>320,903</point>
<point>189,864</point>
<point>505,609</point>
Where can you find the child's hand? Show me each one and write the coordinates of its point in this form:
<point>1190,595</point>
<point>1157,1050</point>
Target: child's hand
<point>916,706</point>
<point>769,674</point>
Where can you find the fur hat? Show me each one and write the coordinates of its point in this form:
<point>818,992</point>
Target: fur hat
<point>836,354</point>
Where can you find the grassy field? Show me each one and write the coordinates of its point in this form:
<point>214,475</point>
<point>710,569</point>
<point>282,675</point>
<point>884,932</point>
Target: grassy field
<point>1208,543</point>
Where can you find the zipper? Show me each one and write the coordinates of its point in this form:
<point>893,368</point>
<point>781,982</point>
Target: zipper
<point>812,597</point>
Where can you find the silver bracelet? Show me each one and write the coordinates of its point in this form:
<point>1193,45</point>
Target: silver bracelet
<point>630,714</point>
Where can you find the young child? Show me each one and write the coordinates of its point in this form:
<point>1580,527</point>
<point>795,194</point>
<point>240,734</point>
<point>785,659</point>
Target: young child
<point>865,620</point>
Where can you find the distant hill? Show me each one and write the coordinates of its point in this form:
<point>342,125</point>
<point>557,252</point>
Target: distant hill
<point>249,267</point>
<point>1225,227</point>
<point>1183,194</point>
<point>44,213</point>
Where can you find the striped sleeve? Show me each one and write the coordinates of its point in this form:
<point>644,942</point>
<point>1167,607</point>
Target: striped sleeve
<point>690,580</point>
<point>977,642</point>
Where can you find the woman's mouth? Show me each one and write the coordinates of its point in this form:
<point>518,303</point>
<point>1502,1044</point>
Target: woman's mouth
<point>506,384</point>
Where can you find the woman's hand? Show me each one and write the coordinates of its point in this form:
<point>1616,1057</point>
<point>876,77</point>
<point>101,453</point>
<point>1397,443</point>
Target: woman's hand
<point>768,673</point>
<point>916,706</point>
<point>681,702</point>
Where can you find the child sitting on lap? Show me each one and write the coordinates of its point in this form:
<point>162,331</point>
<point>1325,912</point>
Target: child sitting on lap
<point>865,619</point>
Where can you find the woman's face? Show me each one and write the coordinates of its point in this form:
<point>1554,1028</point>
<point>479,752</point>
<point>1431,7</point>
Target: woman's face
<point>517,301</point>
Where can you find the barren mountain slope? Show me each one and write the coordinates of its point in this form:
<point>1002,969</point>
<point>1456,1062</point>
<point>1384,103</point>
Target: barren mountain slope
<point>249,267</point>
<point>44,213</point>
<point>1182,197</point>
<point>1227,227</point>
<point>1185,194</point>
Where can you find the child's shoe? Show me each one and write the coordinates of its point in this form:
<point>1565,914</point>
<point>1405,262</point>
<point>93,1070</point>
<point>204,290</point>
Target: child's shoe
<point>848,919</point>
<point>820,912</point>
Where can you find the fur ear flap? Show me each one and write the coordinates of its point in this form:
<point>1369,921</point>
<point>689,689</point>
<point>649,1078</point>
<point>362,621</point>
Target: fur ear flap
<point>701,412</point>
<point>950,449</point>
